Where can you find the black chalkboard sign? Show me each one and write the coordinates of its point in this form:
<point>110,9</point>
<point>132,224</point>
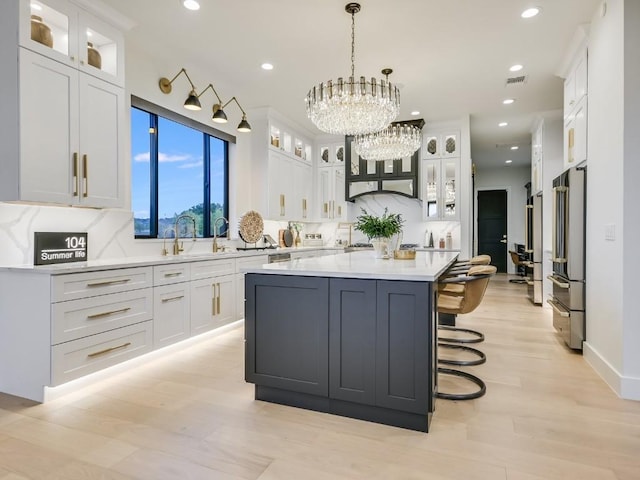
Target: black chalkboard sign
<point>59,247</point>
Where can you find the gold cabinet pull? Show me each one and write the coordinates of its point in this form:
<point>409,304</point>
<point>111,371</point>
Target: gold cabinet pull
<point>76,179</point>
<point>108,282</point>
<point>213,300</point>
<point>106,314</point>
<point>218,300</point>
<point>282,205</point>
<point>173,274</point>
<point>304,208</point>
<point>108,350</point>
<point>340,210</point>
<point>164,300</point>
<point>85,176</point>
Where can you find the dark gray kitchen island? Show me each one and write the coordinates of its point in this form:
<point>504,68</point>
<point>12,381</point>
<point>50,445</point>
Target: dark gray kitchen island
<point>347,334</point>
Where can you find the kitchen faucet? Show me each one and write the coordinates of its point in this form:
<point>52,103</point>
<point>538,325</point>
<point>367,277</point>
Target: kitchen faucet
<point>215,232</point>
<point>178,246</point>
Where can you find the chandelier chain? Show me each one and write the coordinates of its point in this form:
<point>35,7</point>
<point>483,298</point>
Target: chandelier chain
<point>353,44</point>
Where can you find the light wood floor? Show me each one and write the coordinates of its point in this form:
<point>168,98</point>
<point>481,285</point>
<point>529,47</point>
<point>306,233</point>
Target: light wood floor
<point>546,415</point>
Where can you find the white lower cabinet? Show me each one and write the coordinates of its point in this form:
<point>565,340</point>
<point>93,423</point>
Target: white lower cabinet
<point>212,303</point>
<point>171,313</point>
<point>87,355</point>
<point>213,294</point>
<point>55,328</point>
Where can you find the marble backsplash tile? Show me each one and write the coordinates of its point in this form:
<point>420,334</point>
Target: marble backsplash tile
<point>110,231</point>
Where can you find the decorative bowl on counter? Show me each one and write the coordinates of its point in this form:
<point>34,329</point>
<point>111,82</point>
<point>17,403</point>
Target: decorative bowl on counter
<point>404,254</point>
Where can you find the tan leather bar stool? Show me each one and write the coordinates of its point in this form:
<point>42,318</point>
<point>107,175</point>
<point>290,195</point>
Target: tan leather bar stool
<point>474,285</point>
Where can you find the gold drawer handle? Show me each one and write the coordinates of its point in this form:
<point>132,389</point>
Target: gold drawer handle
<point>106,314</point>
<point>172,298</point>
<point>108,350</point>
<point>173,274</point>
<point>108,282</point>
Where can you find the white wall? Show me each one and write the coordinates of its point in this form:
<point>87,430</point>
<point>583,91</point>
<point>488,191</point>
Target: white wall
<point>631,232</point>
<point>513,180</point>
<point>612,198</point>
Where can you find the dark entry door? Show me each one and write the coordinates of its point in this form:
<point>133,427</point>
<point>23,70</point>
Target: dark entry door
<point>492,226</point>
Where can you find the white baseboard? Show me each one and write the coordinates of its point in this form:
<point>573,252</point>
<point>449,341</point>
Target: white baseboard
<point>624,386</point>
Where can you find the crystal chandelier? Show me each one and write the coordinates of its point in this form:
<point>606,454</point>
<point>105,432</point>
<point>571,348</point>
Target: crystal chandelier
<point>395,141</point>
<point>353,107</point>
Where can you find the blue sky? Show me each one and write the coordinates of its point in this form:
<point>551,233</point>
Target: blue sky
<point>181,166</point>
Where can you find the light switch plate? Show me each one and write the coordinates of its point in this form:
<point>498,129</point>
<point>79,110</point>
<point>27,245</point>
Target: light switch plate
<point>610,232</point>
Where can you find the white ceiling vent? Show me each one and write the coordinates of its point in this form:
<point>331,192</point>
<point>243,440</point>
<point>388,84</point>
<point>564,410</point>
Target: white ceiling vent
<point>515,81</point>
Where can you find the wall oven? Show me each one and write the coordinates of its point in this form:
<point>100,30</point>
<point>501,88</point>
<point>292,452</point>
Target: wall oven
<point>568,256</point>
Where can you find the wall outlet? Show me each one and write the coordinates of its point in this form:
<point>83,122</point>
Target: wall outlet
<point>610,232</point>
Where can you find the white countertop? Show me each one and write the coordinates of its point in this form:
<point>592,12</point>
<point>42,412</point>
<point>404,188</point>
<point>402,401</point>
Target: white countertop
<point>128,262</point>
<point>427,266</point>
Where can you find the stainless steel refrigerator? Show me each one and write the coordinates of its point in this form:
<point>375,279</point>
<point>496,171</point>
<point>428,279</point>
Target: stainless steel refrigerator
<point>533,248</point>
<point>568,256</point>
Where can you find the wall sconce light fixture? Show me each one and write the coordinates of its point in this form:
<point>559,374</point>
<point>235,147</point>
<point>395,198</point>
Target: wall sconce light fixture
<point>193,102</point>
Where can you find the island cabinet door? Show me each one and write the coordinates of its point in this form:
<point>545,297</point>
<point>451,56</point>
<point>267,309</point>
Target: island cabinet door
<point>404,346</point>
<point>287,332</point>
<point>352,340</point>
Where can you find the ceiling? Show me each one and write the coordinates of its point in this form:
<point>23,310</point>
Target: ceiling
<point>450,57</point>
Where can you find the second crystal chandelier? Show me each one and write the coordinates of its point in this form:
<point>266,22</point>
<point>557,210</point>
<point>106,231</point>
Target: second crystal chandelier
<point>353,107</point>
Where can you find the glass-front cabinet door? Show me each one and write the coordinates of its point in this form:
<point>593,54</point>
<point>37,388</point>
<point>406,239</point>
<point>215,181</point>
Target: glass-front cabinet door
<point>440,189</point>
<point>60,30</point>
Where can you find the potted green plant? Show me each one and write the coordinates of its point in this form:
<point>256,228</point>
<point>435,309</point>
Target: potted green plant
<point>380,229</point>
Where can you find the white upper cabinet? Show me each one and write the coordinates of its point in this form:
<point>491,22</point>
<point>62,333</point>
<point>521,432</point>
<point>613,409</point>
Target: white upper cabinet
<point>68,34</point>
<point>575,85</point>
<point>440,145</point>
<point>331,181</point>
<point>63,125</point>
<point>537,138</point>
<point>575,112</point>
<point>282,168</point>
<point>439,189</point>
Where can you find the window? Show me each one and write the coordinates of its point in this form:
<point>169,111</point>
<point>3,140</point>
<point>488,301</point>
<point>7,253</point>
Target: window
<point>178,166</point>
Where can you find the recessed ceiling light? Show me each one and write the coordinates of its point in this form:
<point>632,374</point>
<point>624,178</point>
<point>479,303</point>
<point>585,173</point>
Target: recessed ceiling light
<point>508,101</point>
<point>191,4</point>
<point>415,112</point>
<point>515,147</point>
<point>530,12</point>
<point>37,7</point>
<point>508,161</point>
<point>89,33</point>
<point>266,66</point>
<point>515,68</point>
<point>503,124</point>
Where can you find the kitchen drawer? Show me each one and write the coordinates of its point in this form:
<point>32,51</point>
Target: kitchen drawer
<point>570,324</point>
<point>89,316</point>
<point>81,285</point>
<point>213,268</point>
<point>568,292</point>
<point>172,273</point>
<point>250,262</point>
<point>86,355</point>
